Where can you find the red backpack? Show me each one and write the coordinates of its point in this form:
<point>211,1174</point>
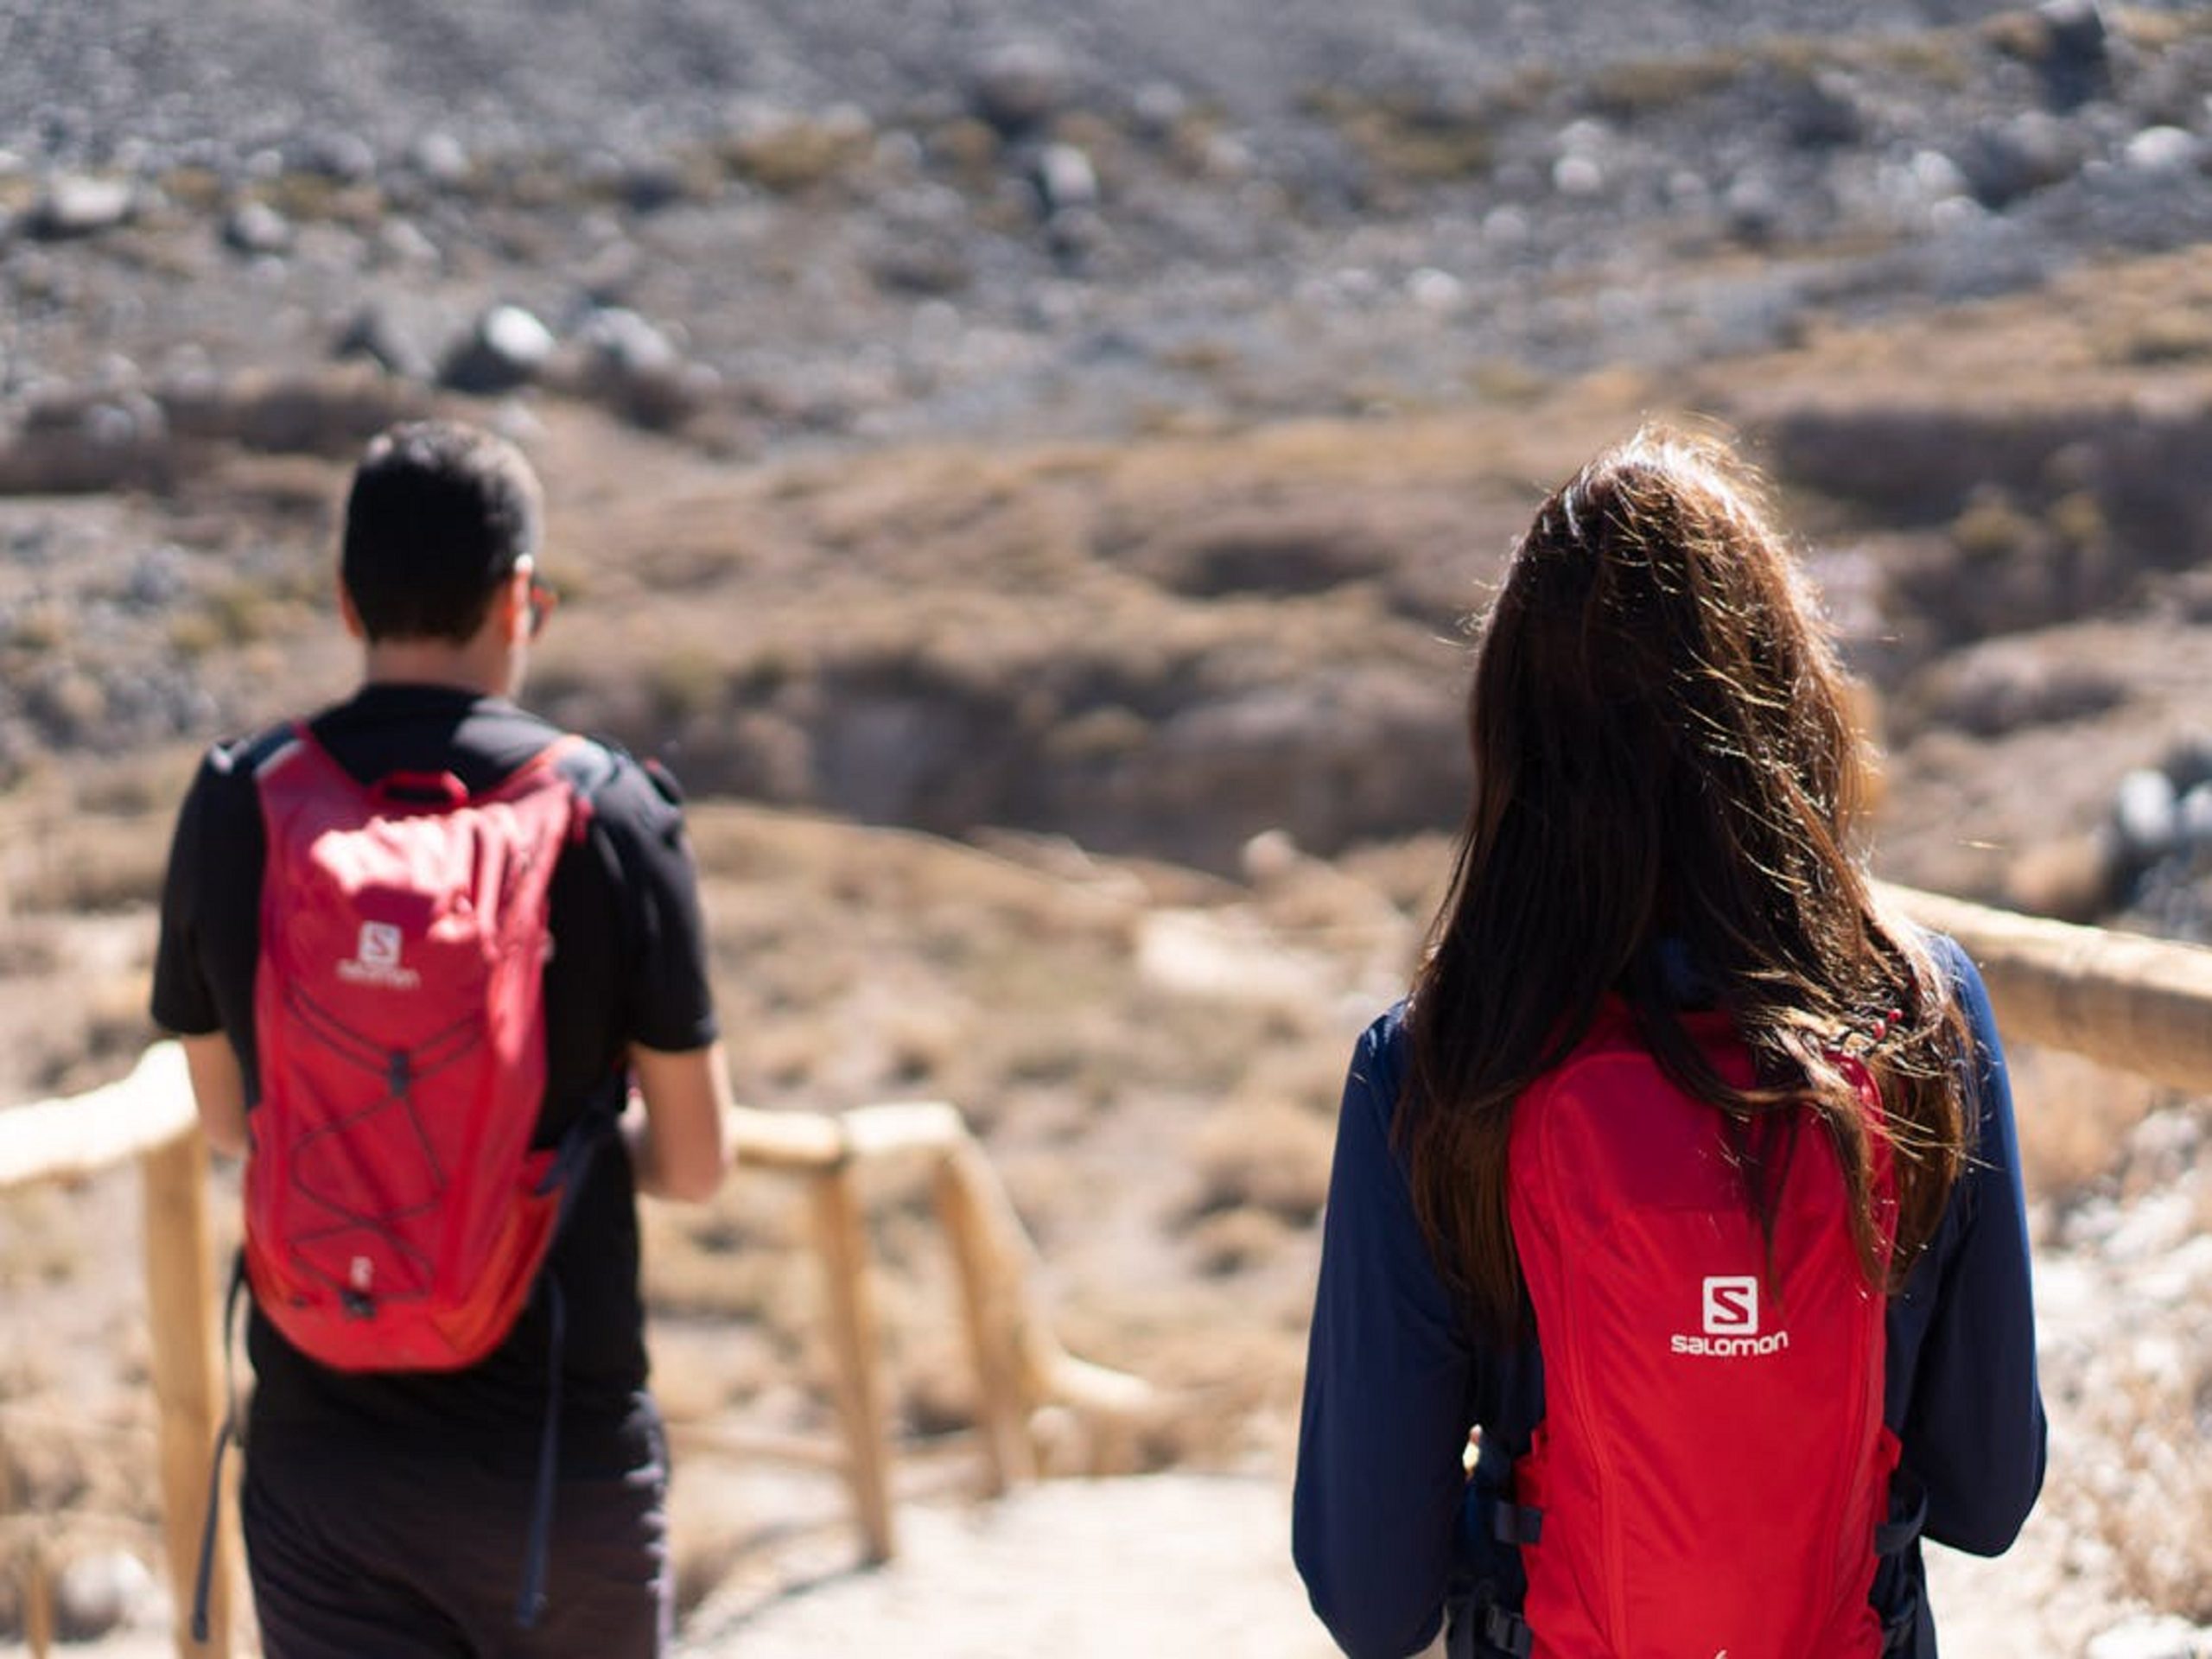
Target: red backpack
<point>1712,1465</point>
<point>395,1214</point>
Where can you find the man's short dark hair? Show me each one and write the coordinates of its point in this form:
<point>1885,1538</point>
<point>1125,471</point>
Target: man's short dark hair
<point>438,517</point>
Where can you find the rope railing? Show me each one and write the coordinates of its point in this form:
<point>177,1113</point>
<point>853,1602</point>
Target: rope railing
<point>2137,1004</point>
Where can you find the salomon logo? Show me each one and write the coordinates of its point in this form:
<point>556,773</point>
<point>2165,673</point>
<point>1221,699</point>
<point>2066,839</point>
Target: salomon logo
<point>1731,1307</point>
<point>1732,1322</point>
<point>376,960</point>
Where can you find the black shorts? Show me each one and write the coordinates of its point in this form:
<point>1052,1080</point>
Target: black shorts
<point>357,1553</point>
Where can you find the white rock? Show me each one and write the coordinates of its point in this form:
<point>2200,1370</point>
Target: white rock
<point>2145,812</point>
<point>1158,104</point>
<point>1505,226</point>
<point>508,348</point>
<point>1434,290</point>
<point>1578,175</point>
<point>78,205</point>
<point>2194,815</point>
<point>256,227</point>
<point>1585,137</point>
<point>403,242</point>
<point>440,157</point>
<point>2164,1637</point>
<point>515,334</point>
<point>1937,174</point>
<point>94,1593</point>
<point>1066,178</point>
<point>2163,149</point>
<point>626,342</point>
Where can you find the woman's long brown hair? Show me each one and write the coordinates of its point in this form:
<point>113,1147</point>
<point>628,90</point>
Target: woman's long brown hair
<point>1663,750</point>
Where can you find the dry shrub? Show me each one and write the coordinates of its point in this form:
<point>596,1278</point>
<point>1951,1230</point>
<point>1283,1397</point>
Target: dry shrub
<point>2152,1497</point>
<point>1236,1240</point>
<point>2070,878</point>
<point>1412,137</point>
<point>2158,338</point>
<point>2074,1117</point>
<point>2019,35</point>
<point>39,1245</point>
<point>1269,1155</point>
<point>740,1257</point>
<point>82,862</point>
<point>1992,528</point>
<point>31,950</point>
<point>1645,86</point>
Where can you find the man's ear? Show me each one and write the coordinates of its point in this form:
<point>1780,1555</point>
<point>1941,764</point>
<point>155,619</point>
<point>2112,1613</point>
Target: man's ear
<point>350,613</point>
<point>511,609</point>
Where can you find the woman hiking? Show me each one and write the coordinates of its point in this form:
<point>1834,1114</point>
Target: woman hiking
<point>1674,1277</point>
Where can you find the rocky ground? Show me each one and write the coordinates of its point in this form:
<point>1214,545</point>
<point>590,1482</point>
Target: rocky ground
<point>997,219</point>
<point>1076,436</point>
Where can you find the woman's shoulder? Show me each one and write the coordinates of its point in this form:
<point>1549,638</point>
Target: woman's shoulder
<point>1378,1066</point>
<point>1382,1044</point>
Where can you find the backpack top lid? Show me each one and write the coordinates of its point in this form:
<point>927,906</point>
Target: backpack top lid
<point>396,1213</point>
<point>1712,1464</point>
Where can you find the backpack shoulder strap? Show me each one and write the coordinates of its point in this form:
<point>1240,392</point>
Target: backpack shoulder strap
<point>589,764</point>
<point>250,756</point>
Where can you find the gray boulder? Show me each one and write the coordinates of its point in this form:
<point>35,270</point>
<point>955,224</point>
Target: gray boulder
<point>2076,34</point>
<point>508,348</point>
<point>637,370</point>
<point>377,334</point>
<point>1021,85</point>
<point>255,227</point>
<point>2011,159</point>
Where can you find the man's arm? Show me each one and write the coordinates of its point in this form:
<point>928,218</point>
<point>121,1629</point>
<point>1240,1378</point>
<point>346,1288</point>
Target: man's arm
<point>218,1089</point>
<point>677,1148</point>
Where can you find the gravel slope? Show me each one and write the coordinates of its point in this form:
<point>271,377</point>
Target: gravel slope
<point>79,80</point>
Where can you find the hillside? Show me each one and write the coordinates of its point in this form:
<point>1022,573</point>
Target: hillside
<point>1027,469</point>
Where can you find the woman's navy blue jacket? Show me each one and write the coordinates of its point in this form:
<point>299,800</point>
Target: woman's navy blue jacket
<point>1386,1527</point>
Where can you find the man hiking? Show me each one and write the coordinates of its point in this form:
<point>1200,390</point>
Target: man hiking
<point>420,950</point>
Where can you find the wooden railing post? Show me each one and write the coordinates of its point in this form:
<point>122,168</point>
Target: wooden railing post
<point>181,1303</point>
<point>993,1320</point>
<point>841,1237</point>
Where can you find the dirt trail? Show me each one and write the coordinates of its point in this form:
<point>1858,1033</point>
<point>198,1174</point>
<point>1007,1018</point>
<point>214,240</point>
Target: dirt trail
<point>1186,1567</point>
<point>1175,1566</point>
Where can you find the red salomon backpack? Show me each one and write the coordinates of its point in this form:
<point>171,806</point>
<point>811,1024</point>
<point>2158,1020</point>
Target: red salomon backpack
<point>395,1214</point>
<point>1712,1466</point>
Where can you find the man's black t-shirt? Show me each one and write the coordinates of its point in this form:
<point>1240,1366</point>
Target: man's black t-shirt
<point>628,966</point>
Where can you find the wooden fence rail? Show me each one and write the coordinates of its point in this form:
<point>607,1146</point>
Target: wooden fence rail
<point>2137,1004</point>
<point>2133,1003</point>
<point>149,1117</point>
<point>1020,1365</point>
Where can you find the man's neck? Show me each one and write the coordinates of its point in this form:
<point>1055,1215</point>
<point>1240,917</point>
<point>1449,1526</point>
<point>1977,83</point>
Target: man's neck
<point>436,662</point>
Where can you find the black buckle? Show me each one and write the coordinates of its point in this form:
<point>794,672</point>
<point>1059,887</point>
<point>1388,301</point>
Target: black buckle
<point>1516,1523</point>
<point>1507,1633</point>
<point>1895,1536</point>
